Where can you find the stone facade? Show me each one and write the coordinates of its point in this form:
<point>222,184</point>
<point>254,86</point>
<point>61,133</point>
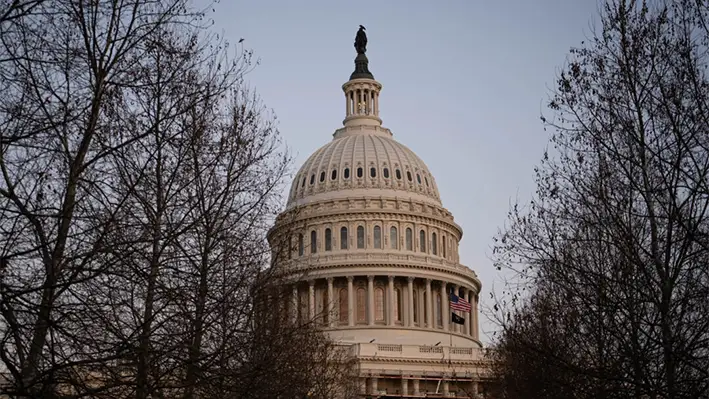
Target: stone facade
<point>372,256</point>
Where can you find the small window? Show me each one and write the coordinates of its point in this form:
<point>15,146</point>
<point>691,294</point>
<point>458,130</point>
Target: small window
<point>434,244</point>
<point>361,305</point>
<point>443,247</point>
<point>301,245</point>
<point>303,185</point>
<point>343,238</point>
<point>418,178</point>
<point>425,179</point>
<point>312,179</point>
<point>393,238</point>
<point>328,240</point>
<point>360,237</point>
<point>422,241</point>
<point>313,242</point>
<point>322,177</point>
<point>344,307</point>
<point>377,237</point>
<point>347,173</point>
<point>373,172</point>
<point>378,304</point>
<point>398,174</point>
<point>408,175</point>
<point>360,172</point>
<point>398,310</point>
<point>386,173</point>
<point>334,174</point>
<point>409,239</point>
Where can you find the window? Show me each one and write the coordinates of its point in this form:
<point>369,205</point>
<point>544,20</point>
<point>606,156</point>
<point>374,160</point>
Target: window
<point>322,177</point>
<point>301,245</point>
<point>398,174</point>
<point>409,239</point>
<point>323,309</point>
<point>333,176</point>
<point>443,246</point>
<point>425,179</point>
<point>347,173</point>
<point>361,305</point>
<point>434,244</point>
<point>312,179</point>
<point>416,307</point>
<point>379,304</point>
<point>303,308</point>
<point>377,237</point>
<point>344,238</point>
<point>343,306</point>
<point>373,172</point>
<point>360,237</point>
<point>398,311</point>
<point>328,240</point>
<point>386,173</point>
<point>303,185</point>
<point>422,241</point>
<point>425,307</point>
<point>313,242</point>
<point>408,175</point>
<point>360,172</point>
<point>393,238</point>
<point>418,178</point>
<point>438,310</point>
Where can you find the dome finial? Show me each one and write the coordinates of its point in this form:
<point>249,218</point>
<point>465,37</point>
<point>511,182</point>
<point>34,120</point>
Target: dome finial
<point>361,62</point>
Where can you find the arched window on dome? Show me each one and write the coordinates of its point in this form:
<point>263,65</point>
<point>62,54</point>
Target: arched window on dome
<point>313,242</point>
<point>343,307</point>
<point>426,180</point>
<point>378,304</point>
<point>301,245</point>
<point>373,172</point>
<point>398,174</point>
<point>360,237</point>
<point>377,237</point>
<point>333,176</point>
<point>422,241</point>
<point>408,176</point>
<point>418,178</point>
<point>443,244</point>
<point>303,185</point>
<point>416,307</point>
<point>393,238</point>
<point>386,173</point>
<point>360,172</point>
<point>328,240</point>
<point>409,239</point>
<point>361,305</point>
<point>439,310</point>
<point>434,244</point>
<point>346,173</point>
<point>344,238</point>
<point>312,179</point>
<point>398,310</point>
<point>322,177</point>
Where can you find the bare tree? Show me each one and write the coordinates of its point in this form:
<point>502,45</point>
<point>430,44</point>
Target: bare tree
<point>612,251</point>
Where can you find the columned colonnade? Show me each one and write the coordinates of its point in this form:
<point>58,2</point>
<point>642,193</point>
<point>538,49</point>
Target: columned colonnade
<point>372,300</point>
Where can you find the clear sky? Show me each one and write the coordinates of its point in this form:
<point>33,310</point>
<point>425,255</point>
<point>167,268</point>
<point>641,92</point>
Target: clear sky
<point>464,82</point>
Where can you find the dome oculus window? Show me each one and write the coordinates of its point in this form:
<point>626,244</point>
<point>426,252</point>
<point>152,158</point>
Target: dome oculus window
<point>373,172</point>
<point>312,179</point>
<point>347,173</point>
<point>322,177</point>
<point>333,176</point>
<point>398,174</point>
<point>408,176</point>
<point>360,172</point>
<point>386,173</point>
<point>418,178</point>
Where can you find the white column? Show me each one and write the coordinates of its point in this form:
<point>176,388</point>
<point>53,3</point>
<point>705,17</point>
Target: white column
<point>456,327</point>
<point>363,385</point>
<point>410,320</point>
<point>476,332</point>
<point>469,316</point>
<point>376,104</point>
<point>444,306</point>
<point>375,388</point>
<point>429,305</point>
<point>311,296</point>
<point>294,301</point>
<point>330,303</point>
<point>350,301</point>
<point>347,104</point>
<point>446,389</point>
<point>417,390</point>
<point>404,386</point>
<point>370,300</point>
<point>392,301</point>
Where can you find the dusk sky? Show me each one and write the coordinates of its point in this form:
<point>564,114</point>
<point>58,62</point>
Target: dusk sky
<point>464,83</point>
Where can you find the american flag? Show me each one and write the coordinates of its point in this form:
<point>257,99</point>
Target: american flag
<point>459,304</point>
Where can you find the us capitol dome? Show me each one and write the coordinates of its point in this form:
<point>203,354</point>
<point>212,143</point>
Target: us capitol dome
<point>374,257</point>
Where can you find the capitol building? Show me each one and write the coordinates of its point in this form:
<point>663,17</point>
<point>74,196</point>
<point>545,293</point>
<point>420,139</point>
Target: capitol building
<point>374,258</point>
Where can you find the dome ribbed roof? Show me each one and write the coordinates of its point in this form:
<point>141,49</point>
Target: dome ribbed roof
<point>363,161</point>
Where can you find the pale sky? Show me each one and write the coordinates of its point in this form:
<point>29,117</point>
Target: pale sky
<point>464,82</point>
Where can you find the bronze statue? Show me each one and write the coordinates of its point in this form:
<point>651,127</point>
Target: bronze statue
<point>361,41</point>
